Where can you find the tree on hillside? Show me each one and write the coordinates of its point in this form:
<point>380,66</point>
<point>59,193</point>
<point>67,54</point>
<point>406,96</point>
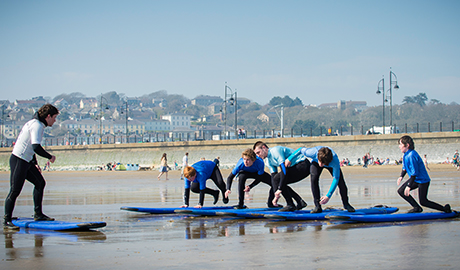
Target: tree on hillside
<point>419,99</point>
<point>286,101</point>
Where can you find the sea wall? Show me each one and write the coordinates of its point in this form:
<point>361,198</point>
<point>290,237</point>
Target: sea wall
<point>437,146</point>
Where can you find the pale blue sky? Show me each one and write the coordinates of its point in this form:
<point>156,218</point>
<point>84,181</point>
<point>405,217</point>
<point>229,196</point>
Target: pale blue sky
<point>319,51</point>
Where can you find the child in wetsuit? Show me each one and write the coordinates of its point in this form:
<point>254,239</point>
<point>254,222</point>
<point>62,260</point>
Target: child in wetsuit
<point>413,165</point>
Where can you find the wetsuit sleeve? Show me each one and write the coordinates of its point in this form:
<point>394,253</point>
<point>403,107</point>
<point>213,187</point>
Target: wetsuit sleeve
<point>411,181</point>
<point>335,164</point>
<point>230,180</point>
<point>403,173</point>
<point>282,176</point>
<point>201,197</point>
<point>256,181</point>
<point>186,196</point>
<point>34,160</point>
<point>40,151</point>
<point>295,154</point>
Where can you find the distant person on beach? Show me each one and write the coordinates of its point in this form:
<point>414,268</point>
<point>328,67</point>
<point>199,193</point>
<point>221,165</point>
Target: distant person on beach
<point>163,166</point>
<point>413,165</point>
<point>184,164</point>
<point>455,160</point>
<point>323,157</point>
<point>217,161</point>
<point>276,157</point>
<point>195,180</point>
<point>425,162</point>
<point>24,165</point>
<point>249,166</point>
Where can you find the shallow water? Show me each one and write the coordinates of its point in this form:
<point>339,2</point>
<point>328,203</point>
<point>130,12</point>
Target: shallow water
<point>133,240</point>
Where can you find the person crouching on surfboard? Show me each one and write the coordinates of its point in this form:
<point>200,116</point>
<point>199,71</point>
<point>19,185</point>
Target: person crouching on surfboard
<point>249,166</point>
<point>276,156</point>
<point>24,166</point>
<point>195,180</point>
<point>413,165</point>
<point>323,157</point>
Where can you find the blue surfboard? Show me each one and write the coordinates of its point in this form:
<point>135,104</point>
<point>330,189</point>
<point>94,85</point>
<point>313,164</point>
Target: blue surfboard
<point>392,217</point>
<point>219,212</point>
<point>29,223</point>
<point>306,215</point>
<point>167,210</point>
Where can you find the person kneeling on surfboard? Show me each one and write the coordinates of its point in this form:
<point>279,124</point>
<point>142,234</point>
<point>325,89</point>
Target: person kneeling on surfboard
<point>195,180</point>
<point>249,166</point>
<point>414,166</point>
<point>24,166</point>
<point>323,157</point>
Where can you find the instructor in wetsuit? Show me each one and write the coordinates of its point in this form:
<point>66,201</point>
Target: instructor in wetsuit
<point>24,165</point>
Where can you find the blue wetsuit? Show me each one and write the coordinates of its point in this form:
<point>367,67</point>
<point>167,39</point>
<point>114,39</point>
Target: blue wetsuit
<point>315,170</point>
<point>256,171</point>
<point>205,170</point>
<point>413,165</point>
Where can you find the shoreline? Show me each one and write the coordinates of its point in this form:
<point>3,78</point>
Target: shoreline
<point>356,169</point>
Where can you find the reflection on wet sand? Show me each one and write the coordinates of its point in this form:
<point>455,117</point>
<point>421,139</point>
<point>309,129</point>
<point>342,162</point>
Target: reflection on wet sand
<point>39,241</point>
<point>183,241</point>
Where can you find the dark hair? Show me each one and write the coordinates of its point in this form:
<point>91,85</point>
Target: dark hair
<point>46,110</point>
<point>325,155</point>
<point>259,144</point>
<point>407,140</point>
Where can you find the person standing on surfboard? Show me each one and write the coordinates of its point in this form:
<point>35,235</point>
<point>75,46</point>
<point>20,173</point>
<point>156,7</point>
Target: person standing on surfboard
<point>249,166</point>
<point>413,165</point>
<point>195,180</point>
<point>323,157</point>
<point>24,165</point>
<point>276,156</point>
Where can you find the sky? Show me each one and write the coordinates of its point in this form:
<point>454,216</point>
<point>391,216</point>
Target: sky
<point>318,51</point>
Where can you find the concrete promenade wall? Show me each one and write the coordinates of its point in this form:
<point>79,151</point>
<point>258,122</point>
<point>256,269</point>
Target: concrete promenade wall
<point>437,146</point>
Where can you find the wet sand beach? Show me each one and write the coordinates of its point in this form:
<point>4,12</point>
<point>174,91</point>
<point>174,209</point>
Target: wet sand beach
<point>140,241</point>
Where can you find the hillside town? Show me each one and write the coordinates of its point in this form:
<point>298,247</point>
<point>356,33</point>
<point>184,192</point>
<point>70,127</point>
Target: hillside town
<point>109,119</point>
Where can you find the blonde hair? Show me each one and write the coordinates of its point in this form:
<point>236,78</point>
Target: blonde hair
<point>250,154</point>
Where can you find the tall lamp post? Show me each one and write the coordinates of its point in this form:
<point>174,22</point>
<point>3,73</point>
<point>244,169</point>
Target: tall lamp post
<point>383,98</point>
<point>234,102</point>
<point>281,117</point>
<point>126,119</point>
<point>100,116</point>
<point>395,82</point>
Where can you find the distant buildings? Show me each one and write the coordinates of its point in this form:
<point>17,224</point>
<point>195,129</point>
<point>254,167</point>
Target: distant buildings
<point>341,104</point>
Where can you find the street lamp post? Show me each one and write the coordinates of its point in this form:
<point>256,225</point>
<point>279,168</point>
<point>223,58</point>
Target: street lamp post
<point>383,98</point>
<point>100,117</point>
<point>234,102</point>
<point>126,119</point>
<point>281,117</point>
<point>395,82</point>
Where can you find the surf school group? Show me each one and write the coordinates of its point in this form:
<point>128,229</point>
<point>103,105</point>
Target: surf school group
<point>286,166</point>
